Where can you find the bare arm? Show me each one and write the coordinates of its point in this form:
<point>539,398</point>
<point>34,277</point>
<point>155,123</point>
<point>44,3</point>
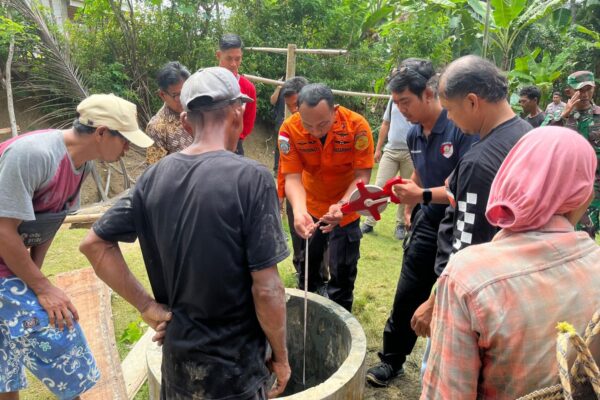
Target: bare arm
<point>20,262</point>
<point>410,192</point>
<point>38,253</point>
<point>275,96</point>
<point>110,266</point>
<point>381,139</point>
<point>295,193</point>
<point>269,302</point>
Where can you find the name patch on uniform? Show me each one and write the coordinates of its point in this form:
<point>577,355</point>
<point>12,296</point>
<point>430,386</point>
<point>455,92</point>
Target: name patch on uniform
<point>284,142</point>
<point>447,149</point>
<point>341,149</point>
<point>361,141</point>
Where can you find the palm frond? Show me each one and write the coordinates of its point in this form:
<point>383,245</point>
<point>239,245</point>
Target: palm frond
<point>55,84</point>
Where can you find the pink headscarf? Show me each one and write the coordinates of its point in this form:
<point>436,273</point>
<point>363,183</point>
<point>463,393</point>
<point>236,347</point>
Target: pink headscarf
<point>550,171</point>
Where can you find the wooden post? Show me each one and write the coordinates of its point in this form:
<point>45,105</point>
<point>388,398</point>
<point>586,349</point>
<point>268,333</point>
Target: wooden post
<point>290,69</point>
<point>9,93</point>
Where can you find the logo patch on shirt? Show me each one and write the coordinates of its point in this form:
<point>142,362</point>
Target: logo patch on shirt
<point>447,149</point>
<point>284,142</point>
<point>361,141</point>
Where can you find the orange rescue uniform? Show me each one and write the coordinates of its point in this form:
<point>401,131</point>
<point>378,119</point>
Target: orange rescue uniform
<point>327,170</point>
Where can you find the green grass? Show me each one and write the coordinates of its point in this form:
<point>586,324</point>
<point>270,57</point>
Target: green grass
<point>378,271</point>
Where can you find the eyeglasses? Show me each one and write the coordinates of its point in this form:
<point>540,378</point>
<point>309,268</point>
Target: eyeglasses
<point>173,96</point>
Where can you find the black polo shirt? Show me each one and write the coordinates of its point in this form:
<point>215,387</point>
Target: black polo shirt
<point>436,156</point>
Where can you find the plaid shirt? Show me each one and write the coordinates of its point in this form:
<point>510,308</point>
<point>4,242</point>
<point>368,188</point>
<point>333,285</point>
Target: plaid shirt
<point>168,134</point>
<point>497,305</point>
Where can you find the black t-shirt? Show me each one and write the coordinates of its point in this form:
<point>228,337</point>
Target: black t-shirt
<point>205,222</point>
<point>470,183</point>
<point>537,120</point>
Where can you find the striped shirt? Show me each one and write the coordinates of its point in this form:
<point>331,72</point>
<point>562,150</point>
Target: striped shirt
<point>497,305</point>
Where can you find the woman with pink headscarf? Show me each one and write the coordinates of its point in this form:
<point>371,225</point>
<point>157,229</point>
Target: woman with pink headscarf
<point>497,304</point>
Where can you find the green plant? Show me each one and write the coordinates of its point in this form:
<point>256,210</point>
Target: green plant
<point>134,331</point>
<point>540,69</point>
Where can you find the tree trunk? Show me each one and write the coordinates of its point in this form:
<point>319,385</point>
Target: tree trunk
<point>8,83</point>
<point>573,12</point>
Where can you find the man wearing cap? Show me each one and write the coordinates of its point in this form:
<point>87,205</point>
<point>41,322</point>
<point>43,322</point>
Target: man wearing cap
<point>210,231</point>
<point>325,149</point>
<point>583,116</point>
<point>229,56</point>
<point>40,178</point>
<point>165,127</point>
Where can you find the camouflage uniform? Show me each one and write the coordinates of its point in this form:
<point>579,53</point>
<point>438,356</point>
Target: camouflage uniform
<point>587,123</point>
<point>168,134</point>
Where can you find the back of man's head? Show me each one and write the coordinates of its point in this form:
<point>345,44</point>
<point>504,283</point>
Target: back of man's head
<point>171,74</point>
<point>531,92</point>
<point>230,41</point>
<point>473,74</point>
<point>312,94</point>
<point>293,86</point>
<point>414,74</point>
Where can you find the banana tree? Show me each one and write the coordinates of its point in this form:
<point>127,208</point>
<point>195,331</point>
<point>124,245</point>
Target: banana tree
<point>542,73</point>
<point>505,21</point>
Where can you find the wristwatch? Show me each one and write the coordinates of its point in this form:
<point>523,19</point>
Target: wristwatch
<point>426,196</point>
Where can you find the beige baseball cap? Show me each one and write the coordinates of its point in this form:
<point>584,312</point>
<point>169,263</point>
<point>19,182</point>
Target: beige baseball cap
<point>114,113</point>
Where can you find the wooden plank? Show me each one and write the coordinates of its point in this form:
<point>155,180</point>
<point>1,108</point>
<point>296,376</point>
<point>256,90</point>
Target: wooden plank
<point>7,131</point>
<point>134,366</point>
<point>91,297</point>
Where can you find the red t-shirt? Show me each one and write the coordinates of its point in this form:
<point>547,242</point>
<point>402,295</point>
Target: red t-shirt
<point>248,89</point>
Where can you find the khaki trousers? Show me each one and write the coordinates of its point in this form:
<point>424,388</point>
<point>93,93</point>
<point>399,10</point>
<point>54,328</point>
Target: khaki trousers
<point>392,163</point>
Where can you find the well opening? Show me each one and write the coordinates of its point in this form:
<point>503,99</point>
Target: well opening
<point>335,352</point>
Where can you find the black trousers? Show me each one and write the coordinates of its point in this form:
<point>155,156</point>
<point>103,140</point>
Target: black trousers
<point>340,249</point>
<point>414,287</point>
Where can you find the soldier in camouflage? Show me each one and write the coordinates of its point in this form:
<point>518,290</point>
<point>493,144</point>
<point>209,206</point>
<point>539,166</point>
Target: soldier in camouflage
<point>582,115</point>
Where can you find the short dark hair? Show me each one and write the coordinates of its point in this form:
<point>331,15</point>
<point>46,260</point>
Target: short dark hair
<point>82,129</point>
<point>556,94</point>
<point>473,74</point>
<point>312,94</point>
<point>230,41</point>
<point>415,75</point>
<point>532,93</point>
<point>293,86</point>
<point>171,74</point>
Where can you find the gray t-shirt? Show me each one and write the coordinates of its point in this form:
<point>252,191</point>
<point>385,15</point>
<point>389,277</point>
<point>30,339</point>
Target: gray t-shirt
<point>37,176</point>
<point>399,127</point>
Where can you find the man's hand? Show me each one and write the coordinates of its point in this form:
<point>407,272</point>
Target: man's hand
<point>282,373</point>
<point>573,101</point>
<point>421,320</point>
<point>58,306</point>
<point>332,218</point>
<point>377,156</point>
<point>157,316</point>
<point>408,192</point>
<point>303,224</point>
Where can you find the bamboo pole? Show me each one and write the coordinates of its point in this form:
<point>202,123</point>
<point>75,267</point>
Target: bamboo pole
<point>300,51</point>
<point>290,69</point>
<point>335,91</point>
<point>9,92</point>
<point>82,218</point>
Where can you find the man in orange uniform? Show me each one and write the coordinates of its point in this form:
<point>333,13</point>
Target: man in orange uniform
<point>325,150</point>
